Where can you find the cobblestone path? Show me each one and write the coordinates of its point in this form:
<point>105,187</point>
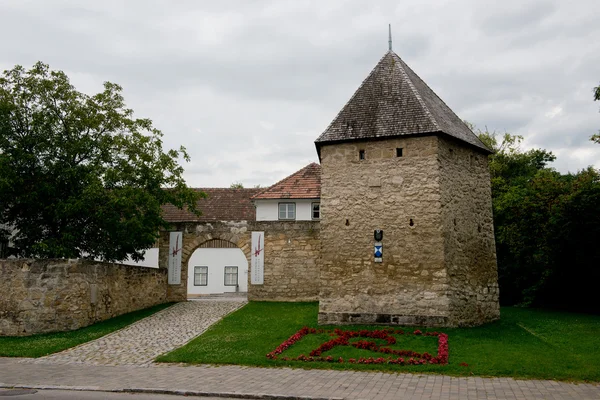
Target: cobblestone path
<point>141,342</point>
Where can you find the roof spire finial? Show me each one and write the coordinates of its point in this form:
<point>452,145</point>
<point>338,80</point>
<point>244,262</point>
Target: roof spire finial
<point>390,40</point>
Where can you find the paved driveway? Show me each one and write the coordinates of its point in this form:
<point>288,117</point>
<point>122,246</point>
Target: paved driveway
<point>143,341</point>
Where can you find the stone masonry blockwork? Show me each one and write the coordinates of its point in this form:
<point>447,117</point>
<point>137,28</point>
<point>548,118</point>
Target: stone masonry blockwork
<point>469,243</point>
<point>419,281</point>
<point>40,296</point>
<point>292,251</point>
<point>382,192</point>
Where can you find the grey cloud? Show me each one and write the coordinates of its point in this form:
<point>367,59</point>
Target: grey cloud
<point>211,74</point>
<point>513,17</point>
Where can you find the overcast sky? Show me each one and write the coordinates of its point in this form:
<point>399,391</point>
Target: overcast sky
<point>247,86</point>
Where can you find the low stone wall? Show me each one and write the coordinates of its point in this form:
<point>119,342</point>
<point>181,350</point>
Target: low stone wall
<point>39,296</point>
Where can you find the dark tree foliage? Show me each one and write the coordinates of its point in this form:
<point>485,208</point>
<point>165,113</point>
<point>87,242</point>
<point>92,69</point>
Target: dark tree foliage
<point>547,228</point>
<point>79,175</point>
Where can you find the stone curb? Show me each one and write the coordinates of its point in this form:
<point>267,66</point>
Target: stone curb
<point>235,395</point>
<point>177,392</point>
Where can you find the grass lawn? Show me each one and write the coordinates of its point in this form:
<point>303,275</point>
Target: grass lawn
<point>525,343</point>
<point>48,343</point>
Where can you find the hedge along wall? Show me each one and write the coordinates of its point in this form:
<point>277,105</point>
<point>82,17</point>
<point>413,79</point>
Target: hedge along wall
<point>39,296</point>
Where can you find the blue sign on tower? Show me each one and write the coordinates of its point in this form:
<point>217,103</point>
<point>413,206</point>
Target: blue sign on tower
<point>378,251</point>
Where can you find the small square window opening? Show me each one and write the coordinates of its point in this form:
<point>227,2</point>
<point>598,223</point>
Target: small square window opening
<point>231,276</point>
<point>287,211</point>
<point>316,210</point>
<point>398,151</point>
<point>361,154</point>
<point>200,276</point>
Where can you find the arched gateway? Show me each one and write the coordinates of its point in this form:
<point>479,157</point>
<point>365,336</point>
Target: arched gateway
<point>228,221</point>
<point>217,266</point>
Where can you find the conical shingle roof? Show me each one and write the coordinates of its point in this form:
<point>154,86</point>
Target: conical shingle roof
<point>393,101</point>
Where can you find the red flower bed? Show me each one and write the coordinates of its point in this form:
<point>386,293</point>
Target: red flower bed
<point>343,339</point>
<point>292,339</point>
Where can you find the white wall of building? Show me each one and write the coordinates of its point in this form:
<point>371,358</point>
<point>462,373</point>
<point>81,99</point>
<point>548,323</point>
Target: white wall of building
<point>216,260</point>
<point>150,259</point>
<point>268,210</point>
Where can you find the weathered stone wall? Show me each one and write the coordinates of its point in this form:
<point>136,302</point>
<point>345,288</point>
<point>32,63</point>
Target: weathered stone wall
<point>469,234</point>
<point>292,251</point>
<point>400,195</point>
<point>434,206</point>
<point>38,296</point>
<point>291,255</point>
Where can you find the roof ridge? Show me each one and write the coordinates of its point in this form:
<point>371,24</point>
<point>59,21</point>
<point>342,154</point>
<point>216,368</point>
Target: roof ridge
<point>353,95</point>
<point>414,89</point>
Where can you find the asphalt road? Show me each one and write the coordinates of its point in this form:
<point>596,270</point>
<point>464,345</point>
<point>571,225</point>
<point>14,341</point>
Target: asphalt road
<point>31,394</point>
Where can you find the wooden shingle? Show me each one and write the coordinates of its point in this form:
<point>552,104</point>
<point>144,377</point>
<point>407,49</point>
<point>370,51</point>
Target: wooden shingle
<point>393,101</point>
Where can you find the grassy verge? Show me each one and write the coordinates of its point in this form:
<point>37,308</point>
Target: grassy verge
<point>525,343</point>
<point>48,343</point>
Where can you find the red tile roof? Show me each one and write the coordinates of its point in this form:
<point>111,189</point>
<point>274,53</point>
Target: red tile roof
<point>222,204</point>
<point>304,184</point>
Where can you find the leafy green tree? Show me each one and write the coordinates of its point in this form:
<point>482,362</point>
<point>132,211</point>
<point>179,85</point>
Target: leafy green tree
<point>511,165</point>
<point>574,242</point>
<point>546,226</point>
<point>236,185</point>
<point>512,171</point>
<point>79,175</point>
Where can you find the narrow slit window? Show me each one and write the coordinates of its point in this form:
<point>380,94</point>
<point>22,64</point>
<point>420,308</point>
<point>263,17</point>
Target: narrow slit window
<point>200,276</point>
<point>398,151</point>
<point>361,154</point>
<point>231,276</point>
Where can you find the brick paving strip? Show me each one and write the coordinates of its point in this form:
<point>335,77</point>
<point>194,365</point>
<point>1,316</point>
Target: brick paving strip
<point>282,383</point>
<point>140,343</point>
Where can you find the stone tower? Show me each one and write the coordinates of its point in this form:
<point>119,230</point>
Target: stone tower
<point>396,158</point>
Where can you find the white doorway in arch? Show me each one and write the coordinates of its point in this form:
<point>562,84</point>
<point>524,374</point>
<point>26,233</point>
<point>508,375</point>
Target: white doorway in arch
<point>215,271</point>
